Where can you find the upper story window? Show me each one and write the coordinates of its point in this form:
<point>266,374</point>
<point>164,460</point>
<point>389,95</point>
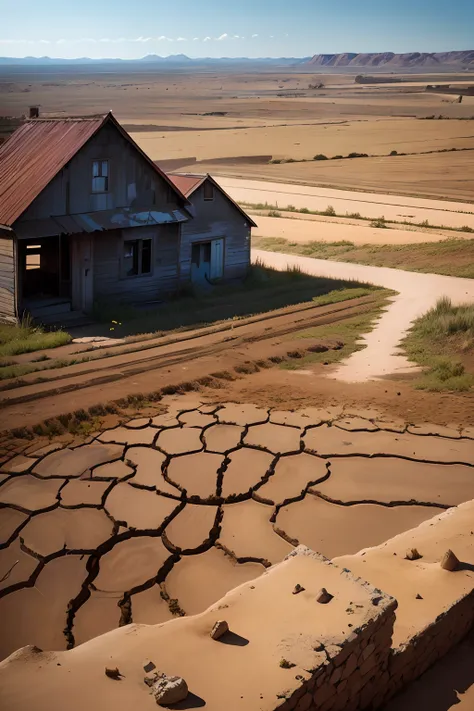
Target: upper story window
<point>208,190</point>
<point>100,176</point>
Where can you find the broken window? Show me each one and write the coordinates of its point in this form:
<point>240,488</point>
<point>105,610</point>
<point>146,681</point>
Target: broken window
<point>100,176</point>
<point>137,255</point>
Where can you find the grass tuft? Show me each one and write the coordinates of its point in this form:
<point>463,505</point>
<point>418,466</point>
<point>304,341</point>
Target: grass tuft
<point>26,338</point>
<point>442,340</point>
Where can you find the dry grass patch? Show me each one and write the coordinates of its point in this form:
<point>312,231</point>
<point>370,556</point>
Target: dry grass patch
<point>452,257</point>
<point>443,342</point>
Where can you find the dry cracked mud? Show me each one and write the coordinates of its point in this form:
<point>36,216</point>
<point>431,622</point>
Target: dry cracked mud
<point>161,516</point>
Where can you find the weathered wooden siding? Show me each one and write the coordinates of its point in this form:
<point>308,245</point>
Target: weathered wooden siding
<point>109,280</point>
<point>7,280</point>
<point>216,218</point>
<point>132,182</point>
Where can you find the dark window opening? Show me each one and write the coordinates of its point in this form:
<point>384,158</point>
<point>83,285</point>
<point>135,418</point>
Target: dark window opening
<point>100,176</point>
<point>137,257</point>
<point>208,191</point>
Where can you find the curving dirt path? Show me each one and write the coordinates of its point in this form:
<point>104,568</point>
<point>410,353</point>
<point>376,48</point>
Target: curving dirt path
<point>416,294</point>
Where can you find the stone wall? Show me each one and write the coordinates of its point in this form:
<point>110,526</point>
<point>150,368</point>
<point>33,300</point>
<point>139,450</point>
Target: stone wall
<point>411,660</point>
<point>367,671</point>
<point>353,674</point>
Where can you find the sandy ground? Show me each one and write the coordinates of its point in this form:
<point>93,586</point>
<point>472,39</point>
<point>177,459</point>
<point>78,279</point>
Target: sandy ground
<point>170,492</point>
<point>392,207</point>
<point>261,634</point>
<point>322,229</point>
<point>235,122</point>
<point>416,294</point>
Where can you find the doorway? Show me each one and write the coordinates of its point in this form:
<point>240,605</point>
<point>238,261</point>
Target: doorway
<point>207,261</point>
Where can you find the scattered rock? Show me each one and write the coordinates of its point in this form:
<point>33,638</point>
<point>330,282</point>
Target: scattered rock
<point>113,673</point>
<point>170,690</point>
<point>285,664</point>
<point>324,597</point>
<point>412,554</point>
<point>148,666</point>
<point>298,588</point>
<point>219,629</point>
<point>449,561</point>
<point>419,597</point>
<point>150,679</point>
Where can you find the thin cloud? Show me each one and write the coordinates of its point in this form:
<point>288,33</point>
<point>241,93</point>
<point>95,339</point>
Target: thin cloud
<point>253,36</point>
<point>181,39</point>
<point>195,39</point>
<point>222,37</point>
<point>207,39</point>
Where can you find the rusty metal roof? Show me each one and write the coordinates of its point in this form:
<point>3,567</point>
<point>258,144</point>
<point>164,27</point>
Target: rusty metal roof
<point>36,152</point>
<point>188,184</point>
<point>120,218</point>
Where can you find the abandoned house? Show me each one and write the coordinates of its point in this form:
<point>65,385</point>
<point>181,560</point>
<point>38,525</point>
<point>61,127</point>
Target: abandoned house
<point>215,244</point>
<point>86,216</point>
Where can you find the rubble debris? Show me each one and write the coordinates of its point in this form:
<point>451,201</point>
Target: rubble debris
<point>297,589</point>
<point>413,554</point>
<point>449,561</point>
<point>113,673</point>
<point>219,629</point>
<point>324,597</point>
<point>170,690</point>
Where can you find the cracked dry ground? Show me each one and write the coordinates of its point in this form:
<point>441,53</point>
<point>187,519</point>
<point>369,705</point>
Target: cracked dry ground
<point>162,516</point>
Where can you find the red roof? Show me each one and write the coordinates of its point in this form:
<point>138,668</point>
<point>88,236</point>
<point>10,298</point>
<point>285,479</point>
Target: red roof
<point>188,184</point>
<point>36,152</point>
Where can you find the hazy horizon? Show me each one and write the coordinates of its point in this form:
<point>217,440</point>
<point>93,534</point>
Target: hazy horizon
<point>250,29</point>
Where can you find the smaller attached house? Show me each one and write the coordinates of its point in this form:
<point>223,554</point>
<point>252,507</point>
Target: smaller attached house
<point>215,244</point>
<point>86,216</point>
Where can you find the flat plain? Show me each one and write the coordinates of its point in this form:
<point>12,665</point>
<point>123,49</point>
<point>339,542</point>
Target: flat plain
<point>236,123</point>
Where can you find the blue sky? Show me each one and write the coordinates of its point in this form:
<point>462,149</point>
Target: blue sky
<point>232,28</point>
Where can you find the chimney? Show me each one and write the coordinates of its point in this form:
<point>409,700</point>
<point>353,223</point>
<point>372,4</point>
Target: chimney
<point>33,112</point>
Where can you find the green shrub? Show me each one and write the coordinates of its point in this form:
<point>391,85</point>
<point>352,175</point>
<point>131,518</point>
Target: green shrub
<point>379,223</point>
<point>329,211</point>
<point>320,156</point>
<point>394,153</point>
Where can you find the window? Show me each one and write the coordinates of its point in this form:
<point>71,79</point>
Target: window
<point>137,257</point>
<point>33,256</point>
<point>208,191</point>
<point>100,176</point>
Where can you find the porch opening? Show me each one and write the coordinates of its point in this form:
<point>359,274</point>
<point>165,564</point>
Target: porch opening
<point>44,272</point>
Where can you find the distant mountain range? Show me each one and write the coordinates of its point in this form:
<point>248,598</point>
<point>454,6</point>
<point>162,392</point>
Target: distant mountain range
<point>385,60</point>
<point>150,59</point>
<point>389,59</point>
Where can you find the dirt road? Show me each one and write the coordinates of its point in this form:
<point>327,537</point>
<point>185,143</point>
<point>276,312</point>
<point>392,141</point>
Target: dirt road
<point>120,371</point>
<point>416,294</point>
<point>392,207</point>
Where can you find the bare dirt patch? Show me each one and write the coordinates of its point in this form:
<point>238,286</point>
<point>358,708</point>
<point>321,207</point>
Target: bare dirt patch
<point>334,478</point>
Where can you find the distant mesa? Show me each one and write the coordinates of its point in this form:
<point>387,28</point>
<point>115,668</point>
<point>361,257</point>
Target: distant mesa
<point>389,59</point>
